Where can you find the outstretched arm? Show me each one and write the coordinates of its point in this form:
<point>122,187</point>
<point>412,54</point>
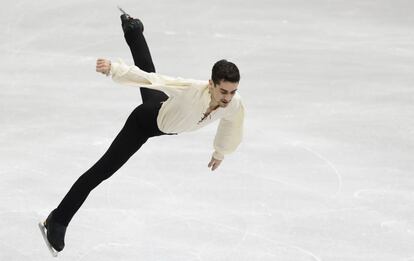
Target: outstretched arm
<point>228,137</point>
<point>134,76</point>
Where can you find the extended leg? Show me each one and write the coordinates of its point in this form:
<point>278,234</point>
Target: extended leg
<point>127,142</point>
<point>142,58</point>
<point>139,50</point>
<point>140,125</point>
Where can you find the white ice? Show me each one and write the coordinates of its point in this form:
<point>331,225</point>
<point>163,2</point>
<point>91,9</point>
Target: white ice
<point>325,171</point>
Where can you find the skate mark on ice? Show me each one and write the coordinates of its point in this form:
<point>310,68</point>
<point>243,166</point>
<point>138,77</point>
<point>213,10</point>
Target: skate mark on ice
<point>171,196</point>
<point>100,246</point>
<point>379,195</point>
<point>158,188</point>
<point>287,217</point>
<point>52,55</point>
<point>383,193</point>
<point>237,246</point>
<point>247,233</point>
<point>16,249</point>
<point>170,33</point>
<point>327,161</point>
<point>402,226</point>
<point>358,194</point>
<point>288,184</point>
<point>115,245</point>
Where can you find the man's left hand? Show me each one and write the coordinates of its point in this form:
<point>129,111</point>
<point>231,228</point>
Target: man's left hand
<point>214,163</point>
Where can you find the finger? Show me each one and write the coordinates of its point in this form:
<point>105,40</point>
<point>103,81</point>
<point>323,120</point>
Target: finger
<point>101,63</point>
<point>102,67</point>
<point>217,164</point>
<point>213,165</point>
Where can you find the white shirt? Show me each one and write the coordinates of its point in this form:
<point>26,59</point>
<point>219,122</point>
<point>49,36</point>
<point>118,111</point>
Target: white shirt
<point>187,102</point>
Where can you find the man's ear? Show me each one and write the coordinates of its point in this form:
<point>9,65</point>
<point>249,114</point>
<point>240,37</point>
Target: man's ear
<point>211,82</point>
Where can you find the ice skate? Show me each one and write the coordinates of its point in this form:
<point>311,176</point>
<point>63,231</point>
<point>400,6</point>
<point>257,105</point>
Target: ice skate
<point>44,231</point>
<point>129,23</point>
<point>54,234</point>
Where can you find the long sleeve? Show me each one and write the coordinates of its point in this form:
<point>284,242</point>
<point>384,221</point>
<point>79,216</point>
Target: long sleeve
<point>229,133</point>
<point>134,76</point>
<point>189,99</point>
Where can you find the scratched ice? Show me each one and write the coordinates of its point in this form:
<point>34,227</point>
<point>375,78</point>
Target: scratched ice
<point>325,168</point>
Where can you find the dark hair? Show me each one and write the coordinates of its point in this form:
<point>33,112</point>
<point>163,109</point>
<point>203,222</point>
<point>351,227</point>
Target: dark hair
<point>224,70</point>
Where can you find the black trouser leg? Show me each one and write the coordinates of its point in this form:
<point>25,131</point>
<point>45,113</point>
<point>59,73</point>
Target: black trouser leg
<point>142,58</point>
<point>140,126</point>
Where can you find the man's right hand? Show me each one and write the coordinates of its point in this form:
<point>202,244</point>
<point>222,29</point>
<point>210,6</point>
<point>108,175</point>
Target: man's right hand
<point>214,163</point>
<point>103,66</point>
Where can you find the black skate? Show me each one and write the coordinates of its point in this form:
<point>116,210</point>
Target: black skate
<point>53,234</point>
<point>129,23</point>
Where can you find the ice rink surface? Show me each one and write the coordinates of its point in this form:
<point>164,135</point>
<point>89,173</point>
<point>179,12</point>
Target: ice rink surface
<point>325,171</point>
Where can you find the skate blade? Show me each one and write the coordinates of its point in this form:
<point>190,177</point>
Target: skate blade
<point>44,231</point>
<point>120,9</point>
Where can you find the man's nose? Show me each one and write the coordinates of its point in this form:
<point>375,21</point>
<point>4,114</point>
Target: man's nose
<point>227,97</point>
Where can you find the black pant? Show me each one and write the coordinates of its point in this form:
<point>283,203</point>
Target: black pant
<point>140,125</point>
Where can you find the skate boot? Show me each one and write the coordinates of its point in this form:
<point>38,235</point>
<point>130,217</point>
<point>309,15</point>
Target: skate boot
<point>129,23</point>
<point>54,234</point>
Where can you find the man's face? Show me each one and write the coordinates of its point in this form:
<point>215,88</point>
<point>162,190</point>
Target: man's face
<point>222,93</point>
